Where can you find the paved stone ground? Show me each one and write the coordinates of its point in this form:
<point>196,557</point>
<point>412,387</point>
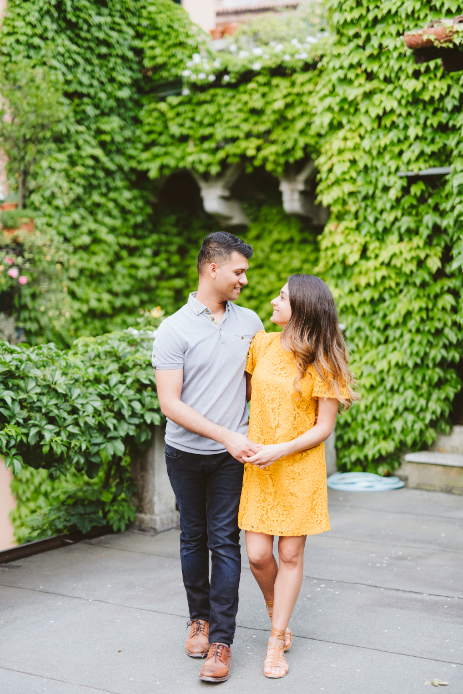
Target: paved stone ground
<point>380,612</point>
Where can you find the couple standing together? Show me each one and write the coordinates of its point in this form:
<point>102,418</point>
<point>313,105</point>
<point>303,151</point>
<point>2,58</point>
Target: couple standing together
<point>211,357</point>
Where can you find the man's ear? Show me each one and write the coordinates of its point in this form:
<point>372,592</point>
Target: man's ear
<point>213,270</point>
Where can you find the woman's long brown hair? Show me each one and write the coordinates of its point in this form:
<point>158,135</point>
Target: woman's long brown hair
<point>314,336</point>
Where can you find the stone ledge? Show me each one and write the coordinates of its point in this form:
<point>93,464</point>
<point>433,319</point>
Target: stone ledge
<point>433,471</point>
<point>435,458</point>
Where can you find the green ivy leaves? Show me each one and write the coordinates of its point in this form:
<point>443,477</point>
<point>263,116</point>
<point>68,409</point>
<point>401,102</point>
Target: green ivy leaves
<point>79,408</point>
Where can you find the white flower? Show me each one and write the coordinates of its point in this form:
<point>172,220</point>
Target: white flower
<point>257,51</point>
<point>226,78</point>
<point>201,76</point>
<point>217,63</point>
<point>256,66</point>
<point>190,63</point>
<point>186,73</point>
<point>211,78</point>
<point>278,47</point>
<point>233,48</point>
<point>243,54</point>
<point>206,65</point>
<point>295,42</point>
<point>266,55</point>
<point>196,58</point>
<point>185,92</point>
<point>303,55</point>
<point>286,57</point>
<point>311,39</point>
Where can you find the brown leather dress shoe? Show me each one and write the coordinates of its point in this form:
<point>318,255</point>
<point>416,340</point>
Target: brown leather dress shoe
<point>217,666</point>
<point>197,643</point>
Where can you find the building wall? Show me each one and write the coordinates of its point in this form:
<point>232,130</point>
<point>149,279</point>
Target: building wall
<point>7,503</point>
<point>3,179</point>
<point>202,12</point>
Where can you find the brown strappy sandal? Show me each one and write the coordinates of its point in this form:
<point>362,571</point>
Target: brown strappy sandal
<point>288,633</point>
<point>275,656</point>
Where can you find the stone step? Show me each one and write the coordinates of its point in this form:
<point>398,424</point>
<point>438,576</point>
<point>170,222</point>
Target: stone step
<point>435,458</point>
<point>434,471</point>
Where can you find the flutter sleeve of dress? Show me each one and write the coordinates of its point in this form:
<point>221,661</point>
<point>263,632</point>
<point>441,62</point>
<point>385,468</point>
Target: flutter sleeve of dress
<point>254,350</point>
<point>321,389</point>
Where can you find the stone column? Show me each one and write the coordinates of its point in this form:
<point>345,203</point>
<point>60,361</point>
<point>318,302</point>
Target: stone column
<point>330,454</point>
<point>298,193</point>
<point>156,505</point>
<point>216,195</point>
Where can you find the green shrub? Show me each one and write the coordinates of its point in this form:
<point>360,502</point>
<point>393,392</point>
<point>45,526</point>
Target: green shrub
<point>87,411</point>
<point>12,219</point>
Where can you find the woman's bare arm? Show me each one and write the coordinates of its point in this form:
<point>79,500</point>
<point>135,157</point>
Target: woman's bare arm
<point>327,411</point>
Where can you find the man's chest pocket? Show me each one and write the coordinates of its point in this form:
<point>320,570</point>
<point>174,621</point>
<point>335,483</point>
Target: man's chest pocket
<point>237,345</point>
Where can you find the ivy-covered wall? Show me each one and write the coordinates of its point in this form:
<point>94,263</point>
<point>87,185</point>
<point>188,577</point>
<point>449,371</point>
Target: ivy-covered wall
<point>354,101</point>
<point>91,191</point>
<point>389,247</point>
<point>391,251</point>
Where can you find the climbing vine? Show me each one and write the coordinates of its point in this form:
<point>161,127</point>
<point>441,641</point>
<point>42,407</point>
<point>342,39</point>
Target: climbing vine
<point>387,249</point>
<point>89,189</point>
<point>392,249</point>
<point>151,97</point>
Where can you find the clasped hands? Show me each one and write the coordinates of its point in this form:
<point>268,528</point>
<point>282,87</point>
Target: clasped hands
<point>246,451</point>
<point>266,455</point>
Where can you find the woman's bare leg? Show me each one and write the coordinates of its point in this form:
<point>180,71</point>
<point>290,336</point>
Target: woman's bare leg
<point>289,579</point>
<point>262,562</point>
<point>287,588</point>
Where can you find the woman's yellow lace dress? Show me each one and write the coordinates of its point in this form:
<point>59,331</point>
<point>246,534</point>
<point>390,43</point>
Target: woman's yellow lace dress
<point>288,497</point>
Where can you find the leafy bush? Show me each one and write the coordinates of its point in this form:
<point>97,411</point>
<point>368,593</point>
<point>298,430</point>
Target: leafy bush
<point>87,411</point>
<point>48,507</point>
<point>76,409</point>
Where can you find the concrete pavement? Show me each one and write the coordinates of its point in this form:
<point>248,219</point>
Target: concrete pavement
<point>380,611</point>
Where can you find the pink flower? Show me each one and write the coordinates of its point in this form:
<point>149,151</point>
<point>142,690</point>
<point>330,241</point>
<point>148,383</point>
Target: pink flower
<point>8,260</point>
<point>23,279</point>
<point>14,272</point>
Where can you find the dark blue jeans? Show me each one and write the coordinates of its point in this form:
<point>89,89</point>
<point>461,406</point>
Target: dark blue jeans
<point>208,490</point>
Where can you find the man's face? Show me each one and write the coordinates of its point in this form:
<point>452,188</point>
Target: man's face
<point>230,278</point>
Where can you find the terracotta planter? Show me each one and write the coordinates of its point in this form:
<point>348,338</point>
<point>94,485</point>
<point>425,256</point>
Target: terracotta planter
<point>26,226</point>
<point>216,33</point>
<point>230,29</point>
<point>8,206</point>
<point>427,38</point>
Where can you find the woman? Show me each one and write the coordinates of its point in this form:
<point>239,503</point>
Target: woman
<point>297,378</point>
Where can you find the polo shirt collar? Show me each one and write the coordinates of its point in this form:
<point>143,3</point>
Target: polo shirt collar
<point>198,307</point>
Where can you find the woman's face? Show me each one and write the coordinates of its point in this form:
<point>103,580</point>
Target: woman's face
<point>281,308</point>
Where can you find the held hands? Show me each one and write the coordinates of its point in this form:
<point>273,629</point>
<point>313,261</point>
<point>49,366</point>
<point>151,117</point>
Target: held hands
<point>267,455</point>
<point>239,446</point>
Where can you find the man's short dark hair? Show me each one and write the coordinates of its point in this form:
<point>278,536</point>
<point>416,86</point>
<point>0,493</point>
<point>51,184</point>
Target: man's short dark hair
<point>218,248</point>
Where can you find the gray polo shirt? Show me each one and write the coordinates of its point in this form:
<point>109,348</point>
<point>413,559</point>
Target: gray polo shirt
<point>213,358</point>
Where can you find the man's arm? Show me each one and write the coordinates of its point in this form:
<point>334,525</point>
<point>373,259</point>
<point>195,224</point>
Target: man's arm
<point>169,386</point>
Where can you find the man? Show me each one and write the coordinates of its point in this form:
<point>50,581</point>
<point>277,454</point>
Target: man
<point>200,354</point>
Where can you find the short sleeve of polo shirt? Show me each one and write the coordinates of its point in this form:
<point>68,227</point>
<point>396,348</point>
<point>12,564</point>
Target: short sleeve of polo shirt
<point>168,352</point>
